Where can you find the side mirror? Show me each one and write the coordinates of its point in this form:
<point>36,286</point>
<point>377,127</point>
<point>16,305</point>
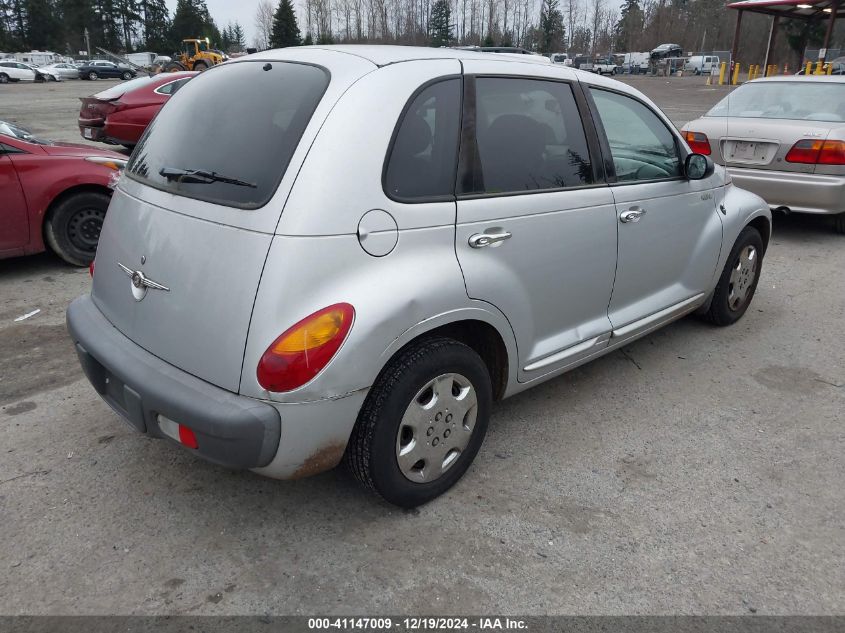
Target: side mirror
<point>698,167</point>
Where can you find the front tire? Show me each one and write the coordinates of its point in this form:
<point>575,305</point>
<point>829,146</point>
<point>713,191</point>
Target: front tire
<point>73,227</point>
<point>200,66</point>
<point>127,76</point>
<point>422,422</point>
<point>738,281</point>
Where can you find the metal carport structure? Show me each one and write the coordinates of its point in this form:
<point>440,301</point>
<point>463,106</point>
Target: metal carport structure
<point>798,9</point>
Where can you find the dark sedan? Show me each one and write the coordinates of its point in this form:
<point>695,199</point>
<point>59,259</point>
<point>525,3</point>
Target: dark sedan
<point>97,69</point>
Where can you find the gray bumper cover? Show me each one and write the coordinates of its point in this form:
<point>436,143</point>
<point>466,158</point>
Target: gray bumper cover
<point>231,430</point>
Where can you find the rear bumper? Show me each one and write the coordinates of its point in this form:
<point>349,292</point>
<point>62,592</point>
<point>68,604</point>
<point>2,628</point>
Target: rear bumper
<point>801,193</point>
<point>231,430</point>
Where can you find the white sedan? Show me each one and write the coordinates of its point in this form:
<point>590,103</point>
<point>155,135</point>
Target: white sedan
<point>15,71</point>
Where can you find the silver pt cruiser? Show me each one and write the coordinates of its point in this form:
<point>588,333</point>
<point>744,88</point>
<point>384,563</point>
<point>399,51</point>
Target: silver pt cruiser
<point>350,252</point>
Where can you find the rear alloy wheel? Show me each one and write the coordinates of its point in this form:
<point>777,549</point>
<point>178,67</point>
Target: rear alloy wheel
<point>73,227</point>
<point>422,423</point>
<point>127,76</point>
<point>4,78</point>
<point>93,76</point>
<point>739,279</point>
<point>839,223</point>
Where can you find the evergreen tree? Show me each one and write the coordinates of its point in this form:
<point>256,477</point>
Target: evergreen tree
<point>308,41</point>
<point>551,26</point>
<point>440,26</point>
<point>188,20</point>
<point>285,29</point>
<point>238,37</point>
<point>629,26</point>
<point>156,26</point>
<point>42,25</point>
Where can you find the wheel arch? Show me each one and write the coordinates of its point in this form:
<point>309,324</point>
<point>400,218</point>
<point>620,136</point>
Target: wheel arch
<point>764,227</point>
<point>490,336</point>
<point>64,195</point>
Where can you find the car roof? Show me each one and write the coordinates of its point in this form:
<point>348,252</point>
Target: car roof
<point>836,79</point>
<point>384,55</point>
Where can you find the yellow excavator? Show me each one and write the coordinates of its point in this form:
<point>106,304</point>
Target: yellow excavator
<point>195,55</point>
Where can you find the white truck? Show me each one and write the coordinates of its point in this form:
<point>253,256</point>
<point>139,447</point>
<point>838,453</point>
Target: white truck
<point>600,66</point>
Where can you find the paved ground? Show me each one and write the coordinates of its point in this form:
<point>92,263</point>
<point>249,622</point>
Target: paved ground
<point>700,470</point>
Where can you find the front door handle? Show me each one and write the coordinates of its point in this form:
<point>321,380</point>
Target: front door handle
<point>632,215</point>
<point>480,240</point>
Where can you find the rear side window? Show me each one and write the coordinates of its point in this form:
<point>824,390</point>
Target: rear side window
<point>424,155</point>
<point>529,136</point>
<point>172,87</point>
<point>228,136</point>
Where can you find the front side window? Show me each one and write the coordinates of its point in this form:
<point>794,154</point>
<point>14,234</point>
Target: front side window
<point>424,156</point>
<point>641,145</point>
<point>529,136</point>
<point>228,136</point>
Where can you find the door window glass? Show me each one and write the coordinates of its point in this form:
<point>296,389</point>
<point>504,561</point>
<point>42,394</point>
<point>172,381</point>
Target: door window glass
<point>424,155</point>
<point>641,145</point>
<point>529,136</point>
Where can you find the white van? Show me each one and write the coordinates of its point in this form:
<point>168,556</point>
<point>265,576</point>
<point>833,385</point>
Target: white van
<point>702,64</point>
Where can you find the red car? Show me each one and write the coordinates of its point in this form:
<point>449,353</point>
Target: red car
<point>56,193</point>
<point>120,114</point>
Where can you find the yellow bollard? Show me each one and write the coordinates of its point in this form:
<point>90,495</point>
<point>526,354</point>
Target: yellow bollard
<point>735,78</point>
<point>809,69</point>
<point>818,68</point>
<point>722,70</point>
<point>829,69</point>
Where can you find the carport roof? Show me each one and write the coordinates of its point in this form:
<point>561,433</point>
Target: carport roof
<point>803,9</point>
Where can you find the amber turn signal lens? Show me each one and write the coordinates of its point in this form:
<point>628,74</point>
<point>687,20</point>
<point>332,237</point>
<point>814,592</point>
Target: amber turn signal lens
<point>303,350</point>
<point>698,142</point>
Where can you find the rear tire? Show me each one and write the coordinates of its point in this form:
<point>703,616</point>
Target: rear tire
<point>422,422</point>
<point>73,226</point>
<point>126,76</point>
<point>839,223</point>
<point>738,281</point>
<point>174,67</point>
<point>4,78</point>
<point>200,66</point>
<point>93,76</point>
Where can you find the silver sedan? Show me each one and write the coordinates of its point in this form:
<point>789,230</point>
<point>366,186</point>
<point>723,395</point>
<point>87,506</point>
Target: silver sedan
<point>62,70</point>
<point>784,139</point>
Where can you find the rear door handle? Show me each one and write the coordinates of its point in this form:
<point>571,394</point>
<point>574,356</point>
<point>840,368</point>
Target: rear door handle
<point>480,240</point>
<point>632,215</point>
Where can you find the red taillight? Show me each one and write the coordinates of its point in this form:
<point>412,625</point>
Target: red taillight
<point>698,142</point>
<point>301,352</point>
<point>187,437</point>
<point>833,153</point>
<point>91,269</point>
<point>817,152</point>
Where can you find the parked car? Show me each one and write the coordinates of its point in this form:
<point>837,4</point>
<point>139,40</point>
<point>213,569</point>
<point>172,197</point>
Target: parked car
<point>63,70</point>
<point>784,139</point>
<point>12,71</point>
<point>560,58</point>
<point>120,114</point>
<point>579,60</point>
<point>271,297</point>
<point>97,69</point>
<point>667,50</point>
<point>44,73</point>
<point>600,66</point>
<point>702,64</point>
<point>54,194</point>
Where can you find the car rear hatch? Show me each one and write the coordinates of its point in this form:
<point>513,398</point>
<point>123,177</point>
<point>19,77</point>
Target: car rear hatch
<point>764,144</point>
<point>184,242</point>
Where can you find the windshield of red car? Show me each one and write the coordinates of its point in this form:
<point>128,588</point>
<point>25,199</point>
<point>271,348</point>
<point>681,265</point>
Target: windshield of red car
<point>21,134</point>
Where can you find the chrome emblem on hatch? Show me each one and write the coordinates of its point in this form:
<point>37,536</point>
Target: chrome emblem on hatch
<point>140,283</point>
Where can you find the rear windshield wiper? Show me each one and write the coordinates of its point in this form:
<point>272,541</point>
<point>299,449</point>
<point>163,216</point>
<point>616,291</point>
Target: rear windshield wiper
<point>201,176</point>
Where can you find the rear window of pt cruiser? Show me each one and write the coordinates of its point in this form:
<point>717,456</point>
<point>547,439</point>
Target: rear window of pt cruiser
<point>227,136</point>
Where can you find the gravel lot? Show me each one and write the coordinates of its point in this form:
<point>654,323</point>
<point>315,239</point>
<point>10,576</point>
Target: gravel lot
<point>699,470</point>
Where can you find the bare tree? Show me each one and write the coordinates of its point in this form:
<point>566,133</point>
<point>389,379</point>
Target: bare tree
<point>263,24</point>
